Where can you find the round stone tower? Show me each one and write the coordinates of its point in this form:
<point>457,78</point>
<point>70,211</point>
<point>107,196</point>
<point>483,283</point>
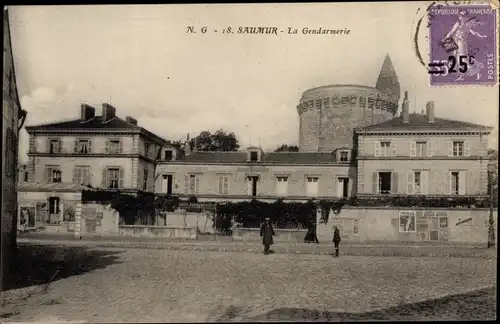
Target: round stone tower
<point>328,114</point>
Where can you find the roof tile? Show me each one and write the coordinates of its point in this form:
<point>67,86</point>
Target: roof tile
<point>419,121</point>
<point>271,158</point>
<point>94,123</point>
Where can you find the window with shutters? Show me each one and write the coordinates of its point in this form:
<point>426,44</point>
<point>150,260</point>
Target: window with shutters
<point>223,181</point>
<point>458,148</point>
<point>147,149</point>
<point>114,146</point>
<point>417,182</point>
<point>281,186</point>
<point>421,149</point>
<point>54,146</point>
<point>113,178</point>
<point>83,146</point>
<point>362,101</point>
<point>455,183</point>
<point>312,186</point>
<point>53,174</point>
<point>252,185</point>
<point>191,184</point>
<point>385,148</point>
<point>81,175</point>
<point>385,182</point>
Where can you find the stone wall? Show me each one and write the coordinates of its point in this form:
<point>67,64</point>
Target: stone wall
<point>157,231</point>
<point>10,143</point>
<point>201,221</point>
<point>74,217</point>
<point>282,235</point>
<point>467,226</point>
<point>328,115</point>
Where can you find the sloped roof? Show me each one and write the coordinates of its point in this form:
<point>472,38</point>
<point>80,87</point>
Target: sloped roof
<point>97,123</point>
<point>94,123</point>
<point>420,122</point>
<point>271,158</point>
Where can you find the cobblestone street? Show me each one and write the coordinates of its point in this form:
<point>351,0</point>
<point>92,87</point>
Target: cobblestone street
<point>184,286</point>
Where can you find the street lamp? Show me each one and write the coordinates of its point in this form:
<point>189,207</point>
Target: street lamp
<point>491,186</point>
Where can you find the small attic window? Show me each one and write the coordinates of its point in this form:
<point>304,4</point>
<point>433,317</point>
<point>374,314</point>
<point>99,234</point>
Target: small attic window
<point>168,155</point>
<point>344,156</point>
<point>254,156</point>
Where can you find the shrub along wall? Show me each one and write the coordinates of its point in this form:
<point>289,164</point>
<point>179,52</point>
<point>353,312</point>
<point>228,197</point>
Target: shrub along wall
<point>282,214</point>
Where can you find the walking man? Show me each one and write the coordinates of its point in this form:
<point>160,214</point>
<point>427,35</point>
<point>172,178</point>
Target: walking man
<point>336,240</point>
<point>267,233</point>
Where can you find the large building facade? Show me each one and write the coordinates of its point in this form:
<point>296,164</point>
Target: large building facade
<point>13,118</point>
<point>374,153</point>
<point>95,151</point>
<point>420,154</point>
<point>254,174</point>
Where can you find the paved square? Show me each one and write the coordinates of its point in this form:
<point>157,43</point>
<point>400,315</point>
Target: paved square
<point>185,286</point>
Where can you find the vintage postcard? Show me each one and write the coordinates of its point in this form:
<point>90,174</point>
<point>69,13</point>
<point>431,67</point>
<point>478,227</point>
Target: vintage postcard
<point>250,162</point>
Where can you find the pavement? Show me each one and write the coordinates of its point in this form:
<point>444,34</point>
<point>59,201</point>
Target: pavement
<point>351,249</point>
<point>149,285</point>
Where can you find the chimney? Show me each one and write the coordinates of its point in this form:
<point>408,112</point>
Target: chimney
<point>430,111</point>
<point>131,121</point>
<point>87,112</point>
<point>406,109</point>
<point>108,112</point>
<point>187,146</point>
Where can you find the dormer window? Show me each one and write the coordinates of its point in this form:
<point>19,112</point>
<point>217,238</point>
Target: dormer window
<point>254,154</point>
<point>168,155</point>
<point>344,156</point>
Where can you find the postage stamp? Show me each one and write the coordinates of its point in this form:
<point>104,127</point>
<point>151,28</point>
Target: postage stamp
<point>462,47</point>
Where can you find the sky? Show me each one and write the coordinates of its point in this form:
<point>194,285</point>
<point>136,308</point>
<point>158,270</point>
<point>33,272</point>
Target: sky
<point>140,59</point>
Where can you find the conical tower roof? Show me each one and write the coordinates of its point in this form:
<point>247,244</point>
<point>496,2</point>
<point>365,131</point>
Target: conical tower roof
<point>388,80</point>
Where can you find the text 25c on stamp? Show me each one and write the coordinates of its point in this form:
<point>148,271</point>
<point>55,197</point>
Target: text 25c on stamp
<point>463,45</point>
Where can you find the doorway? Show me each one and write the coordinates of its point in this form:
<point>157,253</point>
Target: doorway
<point>252,185</point>
<point>384,182</point>
<point>167,184</point>
<point>343,187</point>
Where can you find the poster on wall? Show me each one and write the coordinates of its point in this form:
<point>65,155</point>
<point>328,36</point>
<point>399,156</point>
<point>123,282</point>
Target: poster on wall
<point>42,214</point>
<point>26,217</point>
<point>407,222</point>
<point>69,211</point>
<point>355,227</point>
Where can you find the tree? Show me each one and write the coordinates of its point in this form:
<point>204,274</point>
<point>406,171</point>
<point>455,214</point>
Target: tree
<point>218,141</point>
<point>287,148</point>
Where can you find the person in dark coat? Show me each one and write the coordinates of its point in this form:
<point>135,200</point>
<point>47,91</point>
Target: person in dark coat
<point>267,233</point>
<point>311,234</point>
<point>336,240</point>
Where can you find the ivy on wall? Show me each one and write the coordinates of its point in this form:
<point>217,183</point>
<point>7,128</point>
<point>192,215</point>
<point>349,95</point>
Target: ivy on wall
<point>252,213</point>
